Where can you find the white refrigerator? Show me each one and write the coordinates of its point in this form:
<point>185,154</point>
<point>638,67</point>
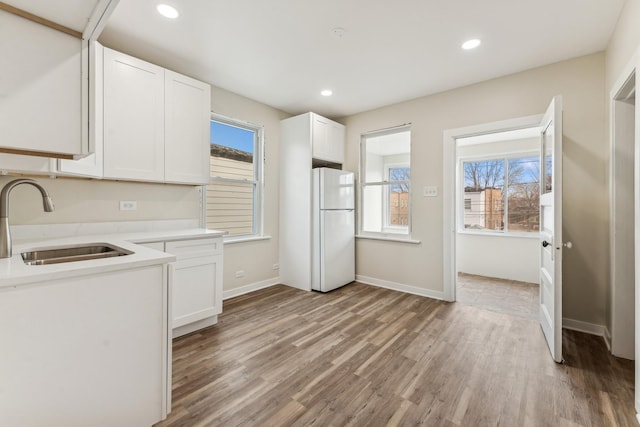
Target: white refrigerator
<point>333,229</point>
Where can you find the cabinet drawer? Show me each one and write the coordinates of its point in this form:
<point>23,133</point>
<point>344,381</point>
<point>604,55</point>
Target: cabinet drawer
<point>210,246</point>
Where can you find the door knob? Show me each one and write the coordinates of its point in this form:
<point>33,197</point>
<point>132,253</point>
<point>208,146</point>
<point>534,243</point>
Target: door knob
<point>545,243</point>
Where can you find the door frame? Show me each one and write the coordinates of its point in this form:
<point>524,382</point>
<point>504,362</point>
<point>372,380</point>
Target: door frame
<point>620,140</point>
<point>632,67</point>
<point>450,172</point>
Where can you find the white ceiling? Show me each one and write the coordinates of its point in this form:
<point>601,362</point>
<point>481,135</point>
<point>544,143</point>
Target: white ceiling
<point>283,52</point>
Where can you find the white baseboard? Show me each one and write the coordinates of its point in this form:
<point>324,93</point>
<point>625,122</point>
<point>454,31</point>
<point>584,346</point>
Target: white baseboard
<point>586,327</point>
<point>400,287</point>
<point>250,288</point>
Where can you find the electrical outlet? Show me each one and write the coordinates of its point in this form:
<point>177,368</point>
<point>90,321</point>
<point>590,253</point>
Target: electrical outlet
<point>239,274</point>
<point>276,266</point>
<point>128,205</point>
<point>431,191</point>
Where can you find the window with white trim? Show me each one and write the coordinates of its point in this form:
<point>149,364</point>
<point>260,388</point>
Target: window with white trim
<point>233,200</point>
<point>385,182</point>
<point>501,194</point>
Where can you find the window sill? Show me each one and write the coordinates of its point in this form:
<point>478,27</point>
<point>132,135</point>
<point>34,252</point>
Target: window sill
<point>533,235</point>
<point>243,239</point>
<point>390,239</point>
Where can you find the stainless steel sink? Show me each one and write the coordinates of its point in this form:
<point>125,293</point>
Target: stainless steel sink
<point>74,253</point>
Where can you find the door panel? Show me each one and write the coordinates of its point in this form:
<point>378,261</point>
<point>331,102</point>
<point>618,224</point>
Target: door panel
<point>551,228</point>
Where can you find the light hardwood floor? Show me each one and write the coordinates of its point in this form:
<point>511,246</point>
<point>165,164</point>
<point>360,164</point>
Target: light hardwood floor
<point>365,356</point>
<point>505,296</point>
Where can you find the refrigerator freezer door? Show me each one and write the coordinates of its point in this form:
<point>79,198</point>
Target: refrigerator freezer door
<point>336,189</point>
<point>337,249</point>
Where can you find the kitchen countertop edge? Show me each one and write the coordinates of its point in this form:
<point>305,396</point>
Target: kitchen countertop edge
<point>14,272</point>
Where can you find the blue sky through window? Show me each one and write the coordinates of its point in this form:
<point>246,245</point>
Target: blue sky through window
<point>231,136</point>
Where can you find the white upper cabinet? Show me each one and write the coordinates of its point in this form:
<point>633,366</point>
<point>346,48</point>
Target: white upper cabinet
<point>91,165</point>
<point>40,89</point>
<point>133,118</point>
<point>328,139</point>
<point>186,129</point>
<point>155,122</point>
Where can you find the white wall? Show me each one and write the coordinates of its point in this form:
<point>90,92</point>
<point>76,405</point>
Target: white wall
<point>581,83</point>
<point>624,42</point>
<point>505,257</point>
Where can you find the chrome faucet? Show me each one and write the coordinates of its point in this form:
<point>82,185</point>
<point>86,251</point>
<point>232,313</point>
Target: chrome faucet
<point>5,234</point>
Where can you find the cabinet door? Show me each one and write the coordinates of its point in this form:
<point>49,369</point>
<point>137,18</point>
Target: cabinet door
<point>196,279</point>
<point>92,333</point>
<point>327,139</point>
<point>195,295</point>
<point>91,165</point>
<point>320,138</point>
<point>40,88</point>
<point>336,136</point>
<point>187,129</point>
<point>133,118</point>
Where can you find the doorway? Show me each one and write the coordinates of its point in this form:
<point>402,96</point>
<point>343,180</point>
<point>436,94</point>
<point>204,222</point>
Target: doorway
<point>453,186</point>
<point>498,198</point>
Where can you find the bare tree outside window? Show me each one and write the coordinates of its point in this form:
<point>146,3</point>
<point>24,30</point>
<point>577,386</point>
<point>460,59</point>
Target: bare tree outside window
<point>502,195</point>
<point>524,195</point>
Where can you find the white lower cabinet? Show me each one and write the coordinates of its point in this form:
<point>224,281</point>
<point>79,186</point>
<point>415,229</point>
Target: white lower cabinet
<point>89,350</point>
<point>195,279</point>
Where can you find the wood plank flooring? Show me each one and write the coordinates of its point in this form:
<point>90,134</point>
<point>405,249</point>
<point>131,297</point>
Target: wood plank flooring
<point>366,356</point>
<point>505,296</point>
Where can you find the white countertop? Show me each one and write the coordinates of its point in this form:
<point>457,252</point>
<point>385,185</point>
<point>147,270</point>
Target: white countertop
<point>14,272</point>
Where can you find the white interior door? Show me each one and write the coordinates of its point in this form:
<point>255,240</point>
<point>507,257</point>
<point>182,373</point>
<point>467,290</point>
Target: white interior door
<point>551,228</point>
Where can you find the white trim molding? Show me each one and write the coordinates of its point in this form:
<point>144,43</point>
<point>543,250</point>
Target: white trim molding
<point>400,287</point>
<point>586,327</point>
<point>236,292</point>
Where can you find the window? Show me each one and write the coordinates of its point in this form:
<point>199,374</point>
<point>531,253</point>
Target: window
<point>234,194</point>
<point>385,182</point>
<point>501,194</point>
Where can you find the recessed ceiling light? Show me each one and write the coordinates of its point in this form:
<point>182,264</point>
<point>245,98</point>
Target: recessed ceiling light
<point>471,44</point>
<point>168,11</point>
<point>326,92</point>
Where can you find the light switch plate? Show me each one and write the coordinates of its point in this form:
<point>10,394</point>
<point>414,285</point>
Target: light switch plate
<point>431,191</point>
<point>128,205</point>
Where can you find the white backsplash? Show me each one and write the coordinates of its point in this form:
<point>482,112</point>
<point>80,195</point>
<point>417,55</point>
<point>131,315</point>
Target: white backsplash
<point>24,233</point>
